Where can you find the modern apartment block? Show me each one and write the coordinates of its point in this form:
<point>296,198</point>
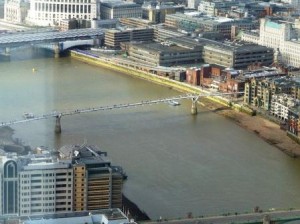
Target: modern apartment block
<point>259,92</point>
<point>45,187</point>
<point>294,121</point>
<point>39,184</point>
<point>135,22</point>
<point>97,185</point>
<point>280,105</point>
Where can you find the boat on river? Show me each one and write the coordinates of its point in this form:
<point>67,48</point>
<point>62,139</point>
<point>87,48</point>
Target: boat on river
<point>174,103</point>
<point>28,115</point>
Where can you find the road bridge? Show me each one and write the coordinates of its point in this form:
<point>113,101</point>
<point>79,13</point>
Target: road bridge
<point>269,217</point>
<point>58,115</point>
<point>55,40</point>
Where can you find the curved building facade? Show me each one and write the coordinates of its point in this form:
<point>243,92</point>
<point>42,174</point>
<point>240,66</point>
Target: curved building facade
<point>9,189</point>
<point>51,12</point>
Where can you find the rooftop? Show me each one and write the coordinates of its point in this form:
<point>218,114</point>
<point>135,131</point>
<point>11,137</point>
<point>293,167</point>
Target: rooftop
<point>232,46</point>
<point>119,4</point>
<point>274,25</point>
<point>84,154</point>
<point>166,47</point>
<point>105,216</point>
<point>262,73</point>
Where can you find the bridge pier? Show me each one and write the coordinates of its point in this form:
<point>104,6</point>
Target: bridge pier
<point>56,51</point>
<point>58,124</point>
<point>266,219</point>
<point>194,109</point>
<point>7,51</point>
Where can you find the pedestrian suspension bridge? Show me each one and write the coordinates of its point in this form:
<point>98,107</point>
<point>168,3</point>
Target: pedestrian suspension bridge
<point>59,115</point>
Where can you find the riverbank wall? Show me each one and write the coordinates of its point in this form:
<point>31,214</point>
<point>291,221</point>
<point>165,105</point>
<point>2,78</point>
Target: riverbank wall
<point>106,63</point>
<point>165,81</point>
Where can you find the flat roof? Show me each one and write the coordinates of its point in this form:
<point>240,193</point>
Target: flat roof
<point>158,47</point>
<point>119,4</point>
<point>232,46</point>
<point>84,154</point>
<point>46,166</point>
<point>78,217</point>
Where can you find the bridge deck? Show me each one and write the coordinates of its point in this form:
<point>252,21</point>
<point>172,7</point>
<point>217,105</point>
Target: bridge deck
<point>112,107</point>
<point>25,38</point>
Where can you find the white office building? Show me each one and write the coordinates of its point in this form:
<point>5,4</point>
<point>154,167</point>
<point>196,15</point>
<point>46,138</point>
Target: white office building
<point>8,186</point>
<point>120,9</point>
<point>280,105</point>
<point>279,35</point>
<point>34,186</point>
<point>45,187</point>
<point>193,4</point>
<point>51,12</point>
<point>15,11</point>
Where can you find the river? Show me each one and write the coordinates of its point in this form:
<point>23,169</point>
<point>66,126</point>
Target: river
<point>176,163</point>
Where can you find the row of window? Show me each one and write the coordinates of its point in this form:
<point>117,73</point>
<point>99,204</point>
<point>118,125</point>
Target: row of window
<point>62,8</point>
<point>68,1</point>
<point>45,175</point>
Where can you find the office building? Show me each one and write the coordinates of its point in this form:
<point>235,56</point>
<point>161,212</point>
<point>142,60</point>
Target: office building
<point>235,55</point>
<point>280,35</point>
<point>119,9</point>
<point>82,179</point>
<point>114,37</point>
<point>213,8</point>
<point>15,11</point>
<point>164,54</point>
<point>162,32</point>
<point>51,12</point>
<point>193,4</point>
<point>156,12</point>
<point>201,23</point>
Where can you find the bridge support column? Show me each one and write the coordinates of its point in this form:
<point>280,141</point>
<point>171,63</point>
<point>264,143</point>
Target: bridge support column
<point>56,50</point>
<point>266,219</point>
<point>194,109</point>
<point>7,51</point>
<point>58,124</point>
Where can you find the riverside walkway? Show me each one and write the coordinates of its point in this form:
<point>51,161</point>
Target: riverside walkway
<point>270,217</point>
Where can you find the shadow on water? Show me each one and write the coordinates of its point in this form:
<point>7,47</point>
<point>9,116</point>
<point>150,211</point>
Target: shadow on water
<point>25,53</point>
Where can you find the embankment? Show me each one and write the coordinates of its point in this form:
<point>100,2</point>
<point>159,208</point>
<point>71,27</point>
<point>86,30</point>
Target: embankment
<point>133,211</point>
<point>165,81</point>
<point>264,128</point>
<point>106,63</point>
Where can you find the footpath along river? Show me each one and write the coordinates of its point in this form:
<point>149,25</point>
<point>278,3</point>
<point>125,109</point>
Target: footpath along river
<point>176,163</point>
